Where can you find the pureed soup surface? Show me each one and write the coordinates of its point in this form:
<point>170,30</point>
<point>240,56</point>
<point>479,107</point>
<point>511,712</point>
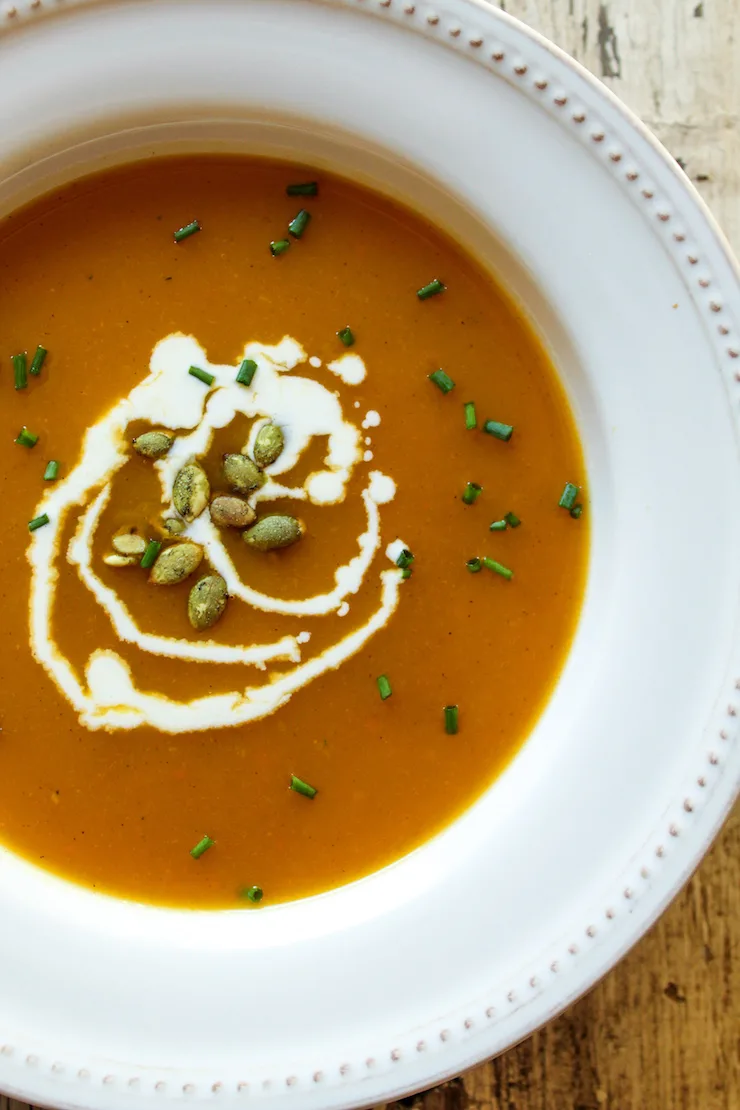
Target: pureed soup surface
<point>128,734</point>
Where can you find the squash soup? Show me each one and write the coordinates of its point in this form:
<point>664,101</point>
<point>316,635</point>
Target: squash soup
<point>295,531</point>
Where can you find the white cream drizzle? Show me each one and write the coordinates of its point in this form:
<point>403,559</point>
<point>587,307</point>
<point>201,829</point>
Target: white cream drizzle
<point>170,398</point>
<point>349,367</point>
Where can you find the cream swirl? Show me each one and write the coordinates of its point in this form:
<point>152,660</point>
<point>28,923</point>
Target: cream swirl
<point>106,696</point>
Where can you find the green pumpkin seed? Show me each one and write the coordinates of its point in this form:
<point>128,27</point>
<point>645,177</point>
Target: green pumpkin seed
<point>153,445</point>
<point>128,543</point>
<point>271,532</point>
<point>175,564</point>
<point>242,474</point>
<point>190,491</point>
<point>174,526</point>
<point>120,560</point>
<point>231,512</point>
<point>207,602</point>
<point>268,445</point>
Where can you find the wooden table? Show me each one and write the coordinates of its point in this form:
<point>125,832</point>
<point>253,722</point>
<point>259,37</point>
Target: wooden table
<point>662,1031</point>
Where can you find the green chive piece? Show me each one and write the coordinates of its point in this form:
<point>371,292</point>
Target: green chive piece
<point>149,557</point>
<point>498,526</point>
<point>279,246</point>
<point>431,290</point>
<point>247,370</point>
<point>303,189</point>
<point>26,438</point>
<point>407,572</point>
<point>38,360</point>
<point>497,568</point>
<point>299,223</point>
<point>405,559</point>
<point>442,381</point>
<point>568,496</point>
<point>302,787</point>
<point>201,847</point>
<point>512,520</point>
<point>202,375</point>
<point>471,493</point>
<point>187,231</point>
<point>384,686</point>
<point>474,565</point>
<point>576,511</point>
<point>253,894</point>
<point>347,336</point>
<point>498,430</point>
<point>52,471</point>
<point>451,714</point>
<point>38,522</point>
<point>20,372</point>
<point>471,420</point>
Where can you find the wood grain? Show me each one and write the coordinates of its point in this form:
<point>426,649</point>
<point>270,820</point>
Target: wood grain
<point>662,1031</point>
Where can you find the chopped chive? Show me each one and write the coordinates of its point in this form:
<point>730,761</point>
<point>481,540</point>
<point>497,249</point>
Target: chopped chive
<point>347,336</point>
<point>279,246</point>
<point>442,381</point>
<point>187,231</point>
<point>302,787</point>
<point>451,714</point>
<point>407,572</point>
<point>568,496</point>
<point>52,471</point>
<point>38,522</point>
<point>253,894</point>
<point>497,526</point>
<point>303,189</point>
<point>512,520</point>
<point>498,430</point>
<point>26,438</point>
<point>201,847</point>
<point>202,375</point>
<point>150,555</point>
<point>384,686</point>
<point>576,511</point>
<point>247,370</point>
<point>471,420</point>
<point>38,360</point>
<point>497,568</point>
<point>20,372</point>
<point>405,559</point>
<point>474,565</point>
<point>431,290</point>
<point>471,493</point>
<point>299,223</point>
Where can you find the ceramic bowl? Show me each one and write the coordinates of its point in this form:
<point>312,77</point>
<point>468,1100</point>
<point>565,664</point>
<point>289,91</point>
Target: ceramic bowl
<point>467,945</point>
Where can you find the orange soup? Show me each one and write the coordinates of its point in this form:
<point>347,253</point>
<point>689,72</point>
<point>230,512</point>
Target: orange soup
<point>295,531</point>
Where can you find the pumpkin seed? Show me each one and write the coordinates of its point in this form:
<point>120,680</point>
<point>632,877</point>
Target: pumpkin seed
<point>207,601</point>
<point>268,445</point>
<point>190,491</point>
<point>129,543</point>
<point>153,445</point>
<point>231,512</point>
<point>242,474</point>
<point>176,563</point>
<point>120,560</point>
<point>271,532</point>
<point>174,526</point>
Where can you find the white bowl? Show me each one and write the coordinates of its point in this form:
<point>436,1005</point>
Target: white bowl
<point>464,947</point>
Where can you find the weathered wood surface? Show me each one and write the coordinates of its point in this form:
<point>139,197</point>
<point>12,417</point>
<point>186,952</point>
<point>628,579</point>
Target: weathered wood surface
<point>676,63</point>
<point>662,1032</point>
